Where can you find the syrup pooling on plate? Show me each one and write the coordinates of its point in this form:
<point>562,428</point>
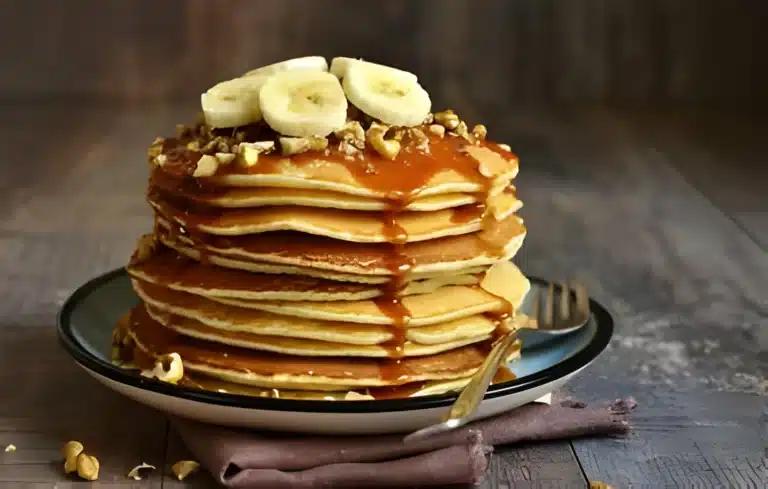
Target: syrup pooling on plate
<point>342,240</point>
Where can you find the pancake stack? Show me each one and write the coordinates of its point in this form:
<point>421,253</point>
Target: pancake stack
<point>322,234</point>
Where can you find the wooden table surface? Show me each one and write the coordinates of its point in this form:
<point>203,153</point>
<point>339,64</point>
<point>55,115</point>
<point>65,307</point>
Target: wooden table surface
<point>664,215</point>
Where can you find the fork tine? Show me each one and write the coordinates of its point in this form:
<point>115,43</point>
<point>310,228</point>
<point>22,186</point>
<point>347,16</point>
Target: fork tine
<point>549,307</point>
<point>565,301</point>
<point>536,309</point>
<point>582,299</point>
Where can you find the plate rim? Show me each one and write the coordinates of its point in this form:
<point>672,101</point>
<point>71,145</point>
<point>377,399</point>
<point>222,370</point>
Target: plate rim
<point>574,363</point>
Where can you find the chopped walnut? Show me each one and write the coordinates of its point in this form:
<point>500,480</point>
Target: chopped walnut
<point>437,130</point>
<point>250,151</point>
<point>348,148</point>
<point>135,474</point>
<point>463,131</point>
<point>420,139</point>
<point>479,132</point>
<point>212,145</point>
<point>193,145</point>
<point>168,368</point>
<point>429,119</point>
<point>160,160</point>
<point>353,134</point>
<point>505,147</point>
<point>225,158</point>
<point>398,134</point>
<point>144,248</point>
<point>222,146</point>
<point>447,119</point>
<point>155,148</point>
<point>292,146</point>
<point>388,148</point>
<point>87,467</point>
<point>10,448</point>
<point>184,468</point>
<point>71,451</point>
<point>206,166</point>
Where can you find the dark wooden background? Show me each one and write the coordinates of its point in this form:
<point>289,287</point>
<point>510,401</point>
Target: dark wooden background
<point>508,52</point>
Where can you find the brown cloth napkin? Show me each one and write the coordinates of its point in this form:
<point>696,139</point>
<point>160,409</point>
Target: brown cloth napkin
<point>247,460</point>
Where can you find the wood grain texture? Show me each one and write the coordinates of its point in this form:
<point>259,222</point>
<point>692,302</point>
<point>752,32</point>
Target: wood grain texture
<point>606,200</point>
<point>693,439</point>
<point>522,52</point>
<point>550,465</point>
<point>48,400</point>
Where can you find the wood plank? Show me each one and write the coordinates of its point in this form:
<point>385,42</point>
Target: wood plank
<point>48,400</point>
<point>550,465</point>
<point>524,52</point>
<point>697,439</point>
<point>685,283</point>
<point>755,224</point>
<point>41,270</point>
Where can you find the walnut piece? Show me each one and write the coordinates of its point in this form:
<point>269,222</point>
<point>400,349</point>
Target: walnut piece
<point>462,131</point>
<point>156,148</point>
<point>168,368</point>
<point>87,467</point>
<point>480,132</point>
<point>421,141</point>
<point>353,134</point>
<point>207,166</point>
<point>250,151</point>
<point>183,468</point>
<point>505,147</point>
<point>144,248</point>
<point>293,146</point>
<point>437,130</point>
<point>447,119</point>
<point>225,158</point>
<point>388,148</point>
<point>10,448</point>
<point>135,472</point>
<point>193,145</point>
<point>70,451</point>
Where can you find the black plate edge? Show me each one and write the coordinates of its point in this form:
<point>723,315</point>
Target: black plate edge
<point>573,363</point>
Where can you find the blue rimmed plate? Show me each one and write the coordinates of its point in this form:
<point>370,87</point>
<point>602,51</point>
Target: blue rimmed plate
<point>88,317</point>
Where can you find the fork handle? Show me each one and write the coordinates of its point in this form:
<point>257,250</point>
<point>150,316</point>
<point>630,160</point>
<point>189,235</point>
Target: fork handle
<point>474,391</point>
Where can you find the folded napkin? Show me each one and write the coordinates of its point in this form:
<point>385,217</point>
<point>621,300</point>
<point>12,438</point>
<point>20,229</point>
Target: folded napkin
<point>248,460</point>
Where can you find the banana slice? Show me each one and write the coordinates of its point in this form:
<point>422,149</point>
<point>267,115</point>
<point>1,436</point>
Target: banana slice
<point>315,63</point>
<point>233,103</point>
<point>390,95</point>
<point>303,103</point>
<point>340,65</point>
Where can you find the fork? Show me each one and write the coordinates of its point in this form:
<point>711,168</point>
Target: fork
<point>572,314</point>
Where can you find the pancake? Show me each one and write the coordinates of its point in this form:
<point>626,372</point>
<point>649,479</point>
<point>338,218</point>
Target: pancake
<point>272,370</point>
<point>313,348</point>
<point>417,389</point>
<point>236,198</point>
<point>235,319</point>
<point>286,252</point>
<point>356,226</point>
<point>445,304</point>
<point>177,272</point>
<point>452,165</point>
